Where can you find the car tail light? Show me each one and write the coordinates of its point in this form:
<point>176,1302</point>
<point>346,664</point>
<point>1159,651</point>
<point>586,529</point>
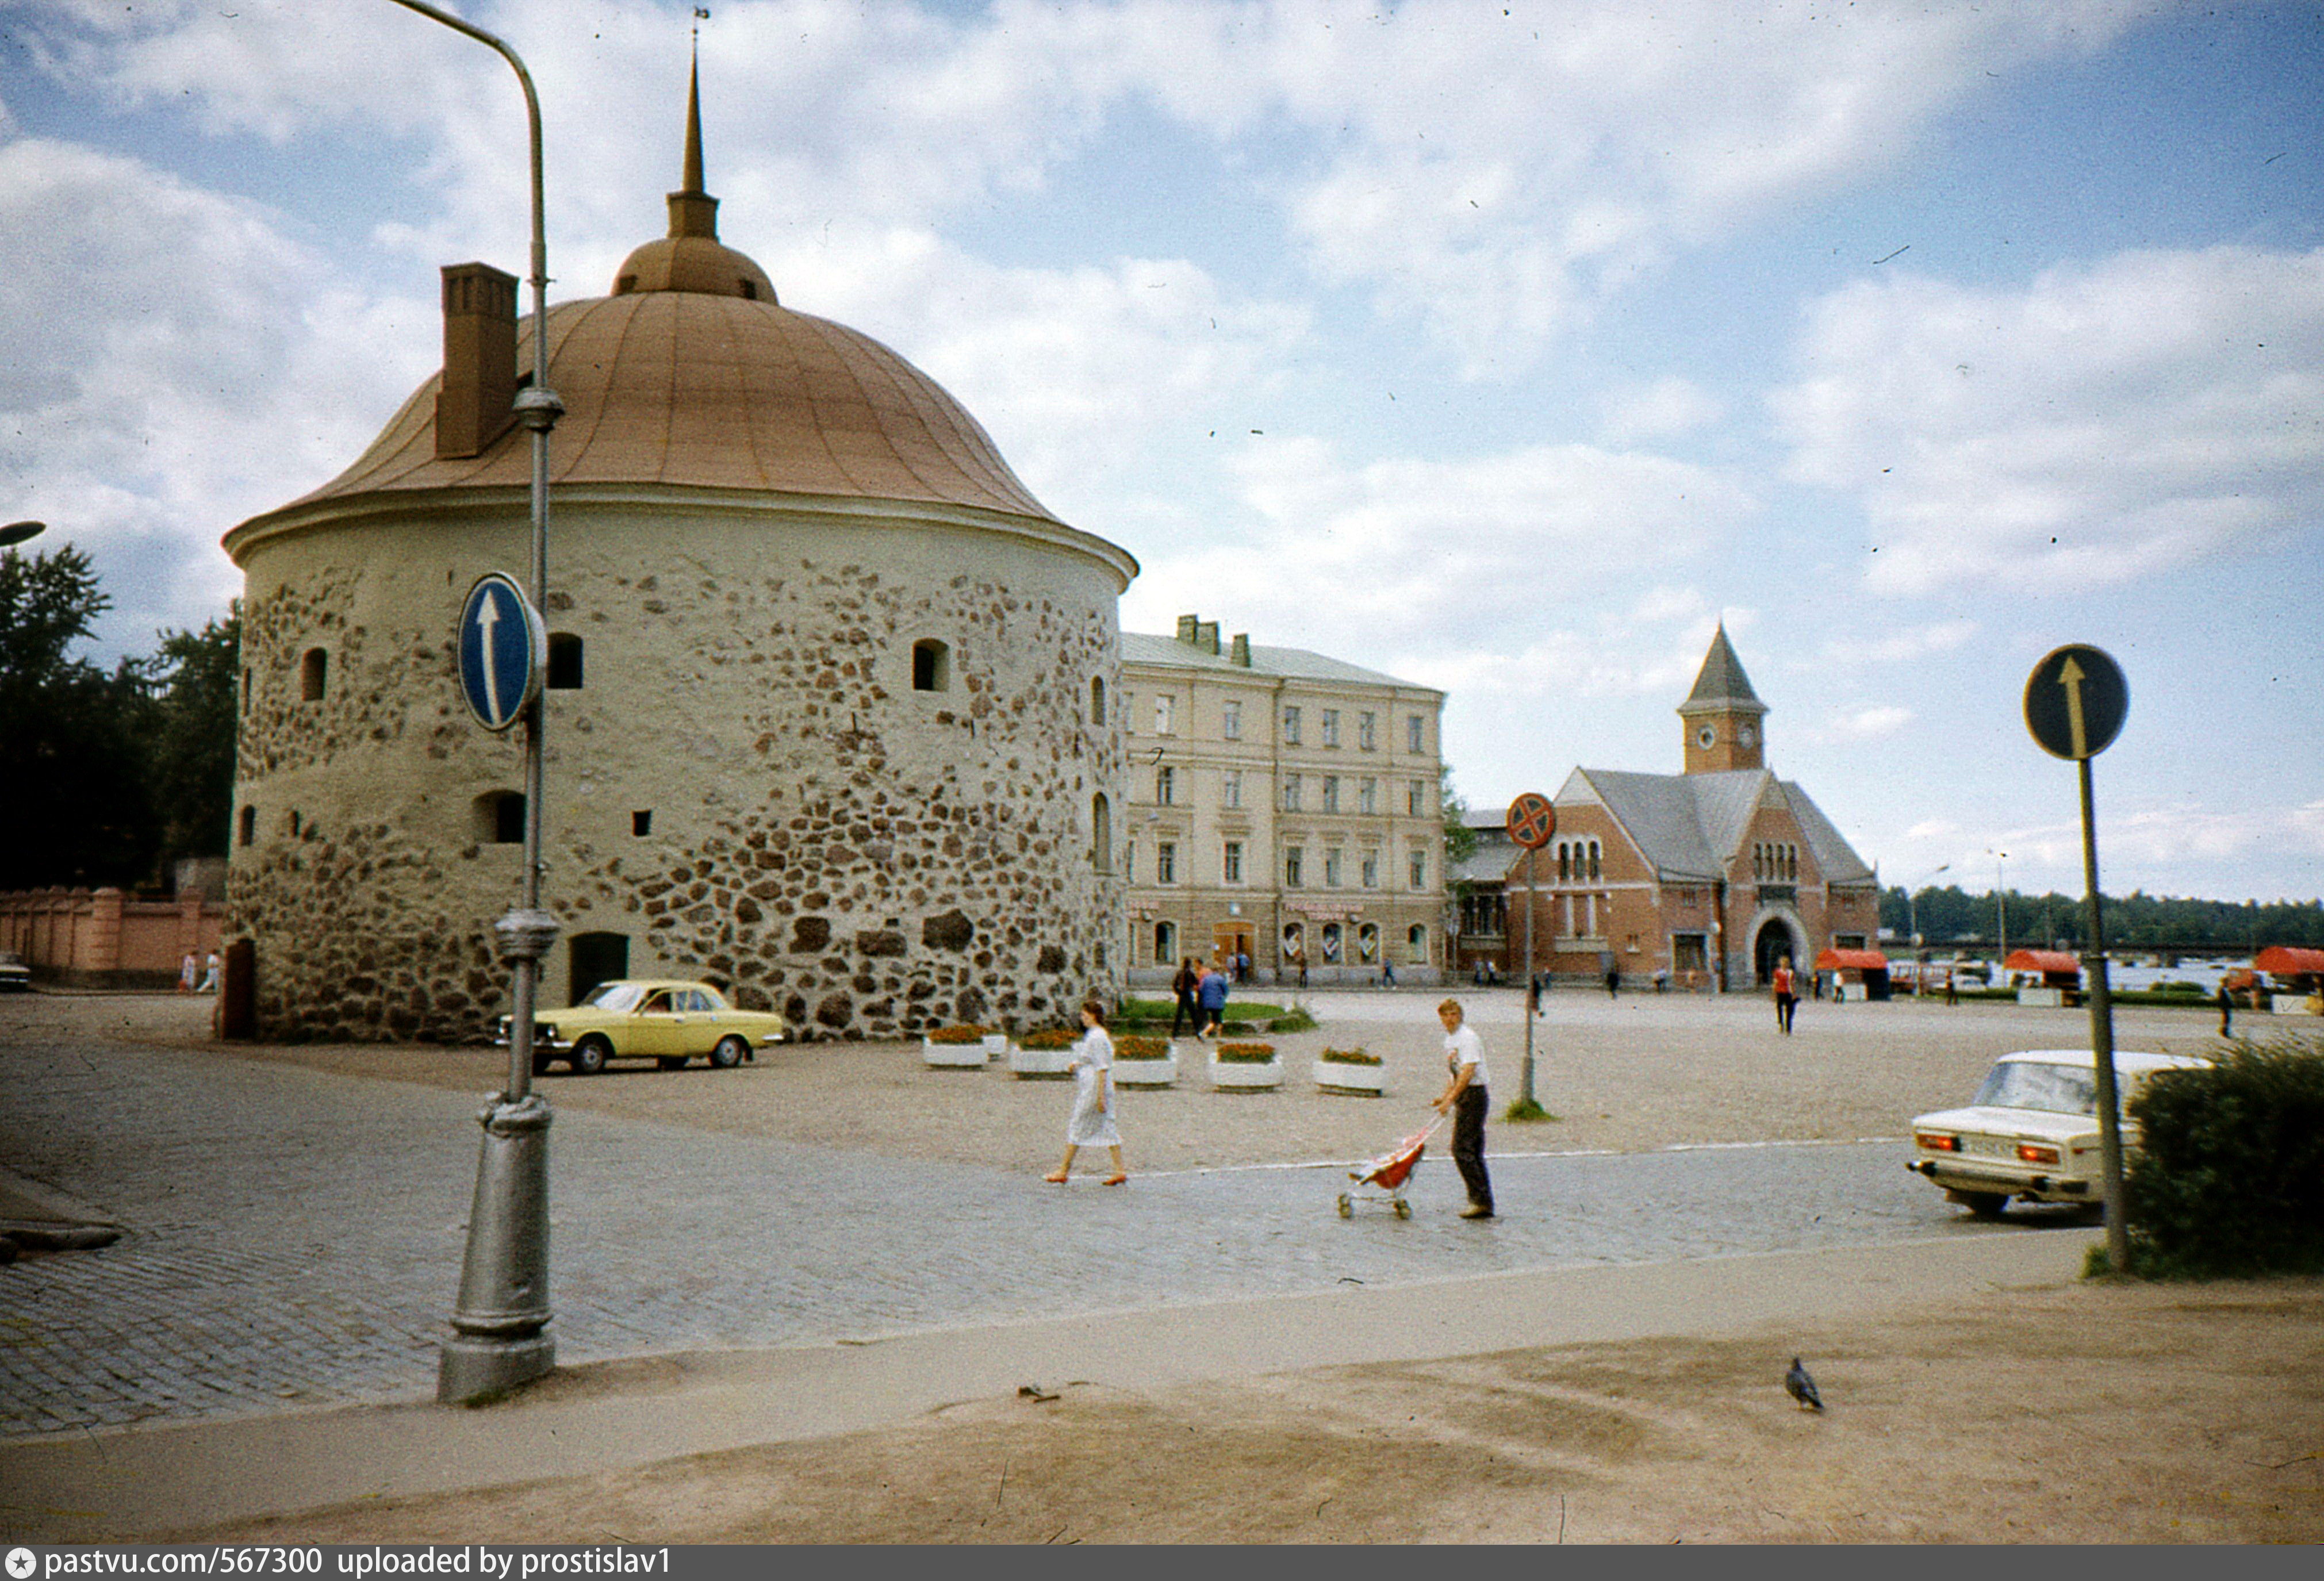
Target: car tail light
<point>1936,1144</point>
<point>2029,1154</point>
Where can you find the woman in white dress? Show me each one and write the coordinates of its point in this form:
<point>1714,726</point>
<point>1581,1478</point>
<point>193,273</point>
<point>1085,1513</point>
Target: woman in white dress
<point>1093,1122</point>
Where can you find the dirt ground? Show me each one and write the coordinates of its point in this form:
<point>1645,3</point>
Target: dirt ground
<point>2089,1412</point>
<point>2086,1414</point>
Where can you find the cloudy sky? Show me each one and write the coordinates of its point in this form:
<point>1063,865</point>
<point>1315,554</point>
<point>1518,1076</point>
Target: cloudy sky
<point>1503,348</point>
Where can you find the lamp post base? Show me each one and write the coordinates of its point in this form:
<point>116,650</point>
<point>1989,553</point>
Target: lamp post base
<point>472,1370</point>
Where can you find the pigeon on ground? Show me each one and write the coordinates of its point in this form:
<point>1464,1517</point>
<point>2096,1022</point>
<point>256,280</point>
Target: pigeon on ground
<point>1802,1388</point>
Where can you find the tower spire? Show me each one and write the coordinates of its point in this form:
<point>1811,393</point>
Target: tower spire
<point>693,212</point>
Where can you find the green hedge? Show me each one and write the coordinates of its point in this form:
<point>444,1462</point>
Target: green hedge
<point>2229,1178</point>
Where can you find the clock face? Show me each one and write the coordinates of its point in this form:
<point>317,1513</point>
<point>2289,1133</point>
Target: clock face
<point>1743,734</point>
<point>1704,736</point>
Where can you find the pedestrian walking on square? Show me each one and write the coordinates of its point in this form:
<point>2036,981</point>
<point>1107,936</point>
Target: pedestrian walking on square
<point>2226,1004</point>
<point>1466,1098</point>
<point>190,971</point>
<point>1211,995</point>
<point>1092,1125</point>
<point>1786,997</point>
<point>1183,987</point>
<point>210,973</point>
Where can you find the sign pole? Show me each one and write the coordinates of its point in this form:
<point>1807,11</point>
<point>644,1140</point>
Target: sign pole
<point>2075,703</point>
<point>1532,1004</point>
<point>2117,1232</point>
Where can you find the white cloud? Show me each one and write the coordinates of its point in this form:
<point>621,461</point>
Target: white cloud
<point>1490,175</point>
<point>1863,724</point>
<point>2105,423</point>
<point>208,369</point>
<point>1659,410</point>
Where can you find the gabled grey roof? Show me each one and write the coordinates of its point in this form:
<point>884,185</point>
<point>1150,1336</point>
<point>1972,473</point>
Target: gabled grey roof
<point>1293,662</point>
<point>1721,683</point>
<point>1833,854</point>
<point>1688,826</point>
<point>1490,862</point>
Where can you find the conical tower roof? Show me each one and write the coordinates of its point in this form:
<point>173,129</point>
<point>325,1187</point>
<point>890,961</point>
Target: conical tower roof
<point>1721,686</point>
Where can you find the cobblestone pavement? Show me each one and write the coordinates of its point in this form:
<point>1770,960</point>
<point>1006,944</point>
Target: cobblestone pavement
<point>294,1237</point>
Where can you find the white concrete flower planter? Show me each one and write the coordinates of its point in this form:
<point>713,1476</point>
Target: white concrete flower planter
<point>952,1056</point>
<point>1039,1064</point>
<point>1234,1076</point>
<point>1161,1072</point>
<point>1338,1076</point>
<point>2051,999</point>
<point>996,1045</point>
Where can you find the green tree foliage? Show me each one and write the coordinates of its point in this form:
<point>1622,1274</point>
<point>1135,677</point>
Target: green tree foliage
<point>110,775</point>
<point>2229,1178</point>
<point>2134,921</point>
<point>1460,840</point>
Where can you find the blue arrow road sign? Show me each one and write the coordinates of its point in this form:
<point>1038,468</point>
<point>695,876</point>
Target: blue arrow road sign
<point>503,648</point>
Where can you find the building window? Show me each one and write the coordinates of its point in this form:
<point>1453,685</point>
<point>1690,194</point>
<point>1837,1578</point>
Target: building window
<point>1165,787</point>
<point>312,664</point>
<point>1368,798</point>
<point>1331,867</point>
<point>1416,942</point>
<point>1166,863</point>
<point>1291,862</point>
<point>1291,792</point>
<point>1101,833</point>
<point>1230,788</point>
<point>1231,720</point>
<point>1097,700</point>
<point>499,818</point>
<point>1129,713</point>
<point>1420,869</point>
<point>1371,869</point>
<point>1291,727</point>
<point>1413,793</point>
<point>1230,865</point>
<point>1331,727</point>
<point>564,662</point>
<point>1165,715</point>
<point>642,824</point>
<point>1594,871</point>
<point>1129,862</point>
<point>249,824</point>
<point>1331,793</point>
<point>1365,734</point>
<point>931,666</point>
<point>1414,734</point>
<point>1166,943</point>
<point>1564,863</point>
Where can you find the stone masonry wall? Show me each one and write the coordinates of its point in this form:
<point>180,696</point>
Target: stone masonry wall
<point>825,841</point>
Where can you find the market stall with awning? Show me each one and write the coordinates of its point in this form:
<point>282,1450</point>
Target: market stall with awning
<point>1866,969</point>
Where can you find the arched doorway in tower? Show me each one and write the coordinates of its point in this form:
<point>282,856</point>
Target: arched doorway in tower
<point>1774,940</point>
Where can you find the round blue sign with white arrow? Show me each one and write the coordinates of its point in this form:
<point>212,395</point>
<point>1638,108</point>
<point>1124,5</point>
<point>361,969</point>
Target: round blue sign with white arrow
<point>503,648</point>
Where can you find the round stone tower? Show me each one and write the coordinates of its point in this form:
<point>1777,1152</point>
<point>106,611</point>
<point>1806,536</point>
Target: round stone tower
<point>828,719</point>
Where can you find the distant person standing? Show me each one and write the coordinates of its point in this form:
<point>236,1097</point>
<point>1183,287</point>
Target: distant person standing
<point>1613,982</point>
<point>1182,986</point>
<point>1388,972</point>
<point>1787,997</point>
<point>190,971</point>
<point>210,970</point>
<point>2226,1004</point>
<point>1211,995</point>
<point>1465,1097</point>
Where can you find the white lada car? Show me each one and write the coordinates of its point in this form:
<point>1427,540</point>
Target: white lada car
<point>2032,1131</point>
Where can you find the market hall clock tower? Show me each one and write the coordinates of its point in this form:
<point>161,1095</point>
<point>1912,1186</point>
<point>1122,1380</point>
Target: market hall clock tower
<point>1722,714</point>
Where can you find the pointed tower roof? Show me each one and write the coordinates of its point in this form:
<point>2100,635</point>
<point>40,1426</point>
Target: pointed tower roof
<point>691,258</point>
<point>1721,686</point>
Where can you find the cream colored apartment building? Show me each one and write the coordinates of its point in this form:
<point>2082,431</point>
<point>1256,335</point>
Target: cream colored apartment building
<point>1282,804</point>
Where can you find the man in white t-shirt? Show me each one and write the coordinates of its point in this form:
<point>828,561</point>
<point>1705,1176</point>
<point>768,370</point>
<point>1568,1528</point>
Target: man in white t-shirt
<point>1464,1098</point>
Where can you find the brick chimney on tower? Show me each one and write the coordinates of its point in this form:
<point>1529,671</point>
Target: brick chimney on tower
<point>473,406</point>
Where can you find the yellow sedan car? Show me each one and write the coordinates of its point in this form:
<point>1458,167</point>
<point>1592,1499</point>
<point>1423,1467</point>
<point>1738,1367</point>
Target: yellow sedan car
<point>665,1020</point>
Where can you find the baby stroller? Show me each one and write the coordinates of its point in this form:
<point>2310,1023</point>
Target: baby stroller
<point>1390,1172</point>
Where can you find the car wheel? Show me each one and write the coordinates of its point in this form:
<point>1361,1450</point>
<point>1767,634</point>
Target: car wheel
<point>729,1052</point>
<point>672,1062</point>
<point>1984,1204</point>
<point>590,1055</point>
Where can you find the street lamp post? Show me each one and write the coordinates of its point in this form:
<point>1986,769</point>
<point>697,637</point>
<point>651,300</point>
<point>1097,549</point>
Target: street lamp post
<point>1912,921</point>
<point>500,1322</point>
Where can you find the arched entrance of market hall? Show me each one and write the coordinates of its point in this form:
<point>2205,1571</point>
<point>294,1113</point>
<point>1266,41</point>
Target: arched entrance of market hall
<point>1777,937</point>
